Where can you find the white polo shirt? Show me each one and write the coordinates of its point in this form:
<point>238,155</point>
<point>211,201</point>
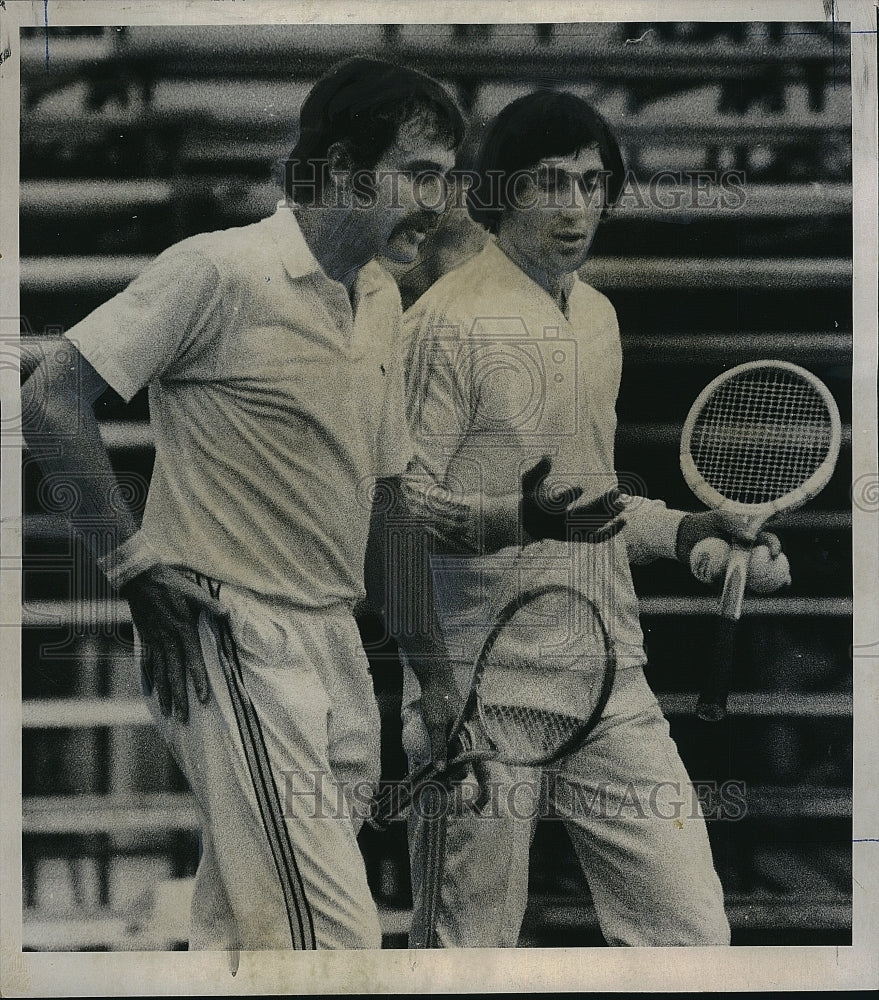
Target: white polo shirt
<point>273,401</point>
<point>497,377</point>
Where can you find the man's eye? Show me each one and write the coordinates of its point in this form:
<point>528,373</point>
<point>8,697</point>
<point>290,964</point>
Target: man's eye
<point>422,177</point>
<point>548,180</point>
<point>431,181</point>
<point>591,181</point>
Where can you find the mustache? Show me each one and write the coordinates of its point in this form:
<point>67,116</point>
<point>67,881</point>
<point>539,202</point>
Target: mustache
<point>424,221</point>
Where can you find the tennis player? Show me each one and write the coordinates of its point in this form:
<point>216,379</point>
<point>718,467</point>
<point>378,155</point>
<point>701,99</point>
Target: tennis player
<point>273,362</point>
<point>513,357</point>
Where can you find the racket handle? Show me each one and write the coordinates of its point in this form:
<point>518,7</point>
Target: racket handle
<point>713,697</point>
<point>394,801</point>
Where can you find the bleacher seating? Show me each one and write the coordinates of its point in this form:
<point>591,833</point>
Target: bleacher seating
<point>136,137</point>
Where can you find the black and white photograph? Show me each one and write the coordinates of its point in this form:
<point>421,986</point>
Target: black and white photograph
<point>439,497</point>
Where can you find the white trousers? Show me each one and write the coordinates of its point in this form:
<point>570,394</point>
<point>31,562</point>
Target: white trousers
<point>283,760</point>
<point>632,816</point>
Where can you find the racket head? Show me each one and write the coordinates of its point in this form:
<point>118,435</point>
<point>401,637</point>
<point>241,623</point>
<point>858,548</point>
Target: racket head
<point>536,711</point>
<point>761,438</point>
<point>561,706</point>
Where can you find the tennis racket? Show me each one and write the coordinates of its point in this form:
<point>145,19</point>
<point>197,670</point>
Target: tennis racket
<point>760,439</point>
<point>530,714</point>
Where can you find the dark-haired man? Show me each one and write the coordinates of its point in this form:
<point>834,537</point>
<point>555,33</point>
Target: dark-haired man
<point>513,357</point>
<point>272,359</point>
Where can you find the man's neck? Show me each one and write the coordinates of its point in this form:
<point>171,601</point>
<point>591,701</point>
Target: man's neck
<point>336,240</point>
<point>558,286</point>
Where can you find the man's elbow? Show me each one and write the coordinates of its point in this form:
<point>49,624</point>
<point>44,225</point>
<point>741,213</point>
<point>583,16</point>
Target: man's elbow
<point>49,408</point>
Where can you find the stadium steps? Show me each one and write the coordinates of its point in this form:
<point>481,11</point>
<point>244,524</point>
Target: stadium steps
<point>587,52</point>
<point>805,347</point>
<point>100,615</point>
<point>54,528</point>
<point>207,122</point>
<point>188,144</point>
<point>118,813</point>
<point>106,275</point>
<point>91,713</point>
<point>758,911</point>
<point>62,198</point>
<point>123,435</point>
<point>156,925</point>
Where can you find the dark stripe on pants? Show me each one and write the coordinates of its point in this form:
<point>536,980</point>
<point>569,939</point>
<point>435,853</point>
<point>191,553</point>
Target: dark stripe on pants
<point>267,796</point>
<point>435,819</point>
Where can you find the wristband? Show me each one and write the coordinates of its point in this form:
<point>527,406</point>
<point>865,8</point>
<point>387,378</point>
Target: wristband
<point>651,528</point>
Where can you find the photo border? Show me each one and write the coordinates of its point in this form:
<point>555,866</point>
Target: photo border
<point>476,970</point>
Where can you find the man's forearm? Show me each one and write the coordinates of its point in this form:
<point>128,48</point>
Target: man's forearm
<point>477,524</point>
<point>399,583</point>
<point>64,438</point>
<point>467,524</point>
<point>651,530</point>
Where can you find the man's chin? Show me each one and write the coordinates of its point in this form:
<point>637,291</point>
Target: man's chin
<point>402,251</point>
<point>570,263</point>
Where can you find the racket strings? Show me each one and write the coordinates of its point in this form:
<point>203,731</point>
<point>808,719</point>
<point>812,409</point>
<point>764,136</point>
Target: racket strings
<point>524,733</point>
<point>761,435</point>
<point>533,703</point>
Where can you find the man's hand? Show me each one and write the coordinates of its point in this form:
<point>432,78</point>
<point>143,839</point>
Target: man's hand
<point>720,524</point>
<point>768,568</point>
<point>165,607</point>
<point>441,704</point>
<point>559,513</point>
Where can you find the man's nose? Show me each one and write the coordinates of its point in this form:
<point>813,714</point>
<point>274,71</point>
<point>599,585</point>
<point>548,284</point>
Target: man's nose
<point>433,194</point>
<point>578,202</point>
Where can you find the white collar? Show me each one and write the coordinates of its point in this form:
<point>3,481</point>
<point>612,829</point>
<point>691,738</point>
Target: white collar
<point>298,259</point>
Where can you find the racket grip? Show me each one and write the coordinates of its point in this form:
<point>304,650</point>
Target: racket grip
<point>395,800</point>
<point>713,697</point>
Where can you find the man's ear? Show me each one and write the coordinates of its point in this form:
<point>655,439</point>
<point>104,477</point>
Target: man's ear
<point>356,184</point>
<point>340,165</point>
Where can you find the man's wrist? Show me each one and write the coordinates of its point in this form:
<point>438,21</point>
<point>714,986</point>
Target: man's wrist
<point>128,560</point>
<point>688,534</point>
<point>439,681</point>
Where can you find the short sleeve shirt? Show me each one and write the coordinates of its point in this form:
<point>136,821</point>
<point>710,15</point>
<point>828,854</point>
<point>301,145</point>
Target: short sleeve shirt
<point>276,399</point>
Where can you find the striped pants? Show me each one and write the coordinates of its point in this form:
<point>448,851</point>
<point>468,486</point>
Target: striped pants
<point>283,760</point>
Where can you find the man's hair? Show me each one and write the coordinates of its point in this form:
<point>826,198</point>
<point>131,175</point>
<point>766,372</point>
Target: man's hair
<point>542,124</point>
<point>362,103</point>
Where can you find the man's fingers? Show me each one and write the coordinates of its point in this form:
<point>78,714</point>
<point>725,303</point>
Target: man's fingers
<point>439,738</point>
<point>176,667</point>
<point>482,774</point>
<point>160,679</point>
<point>597,520</point>
<point>438,754</point>
<point>200,680</point>
<point>201,598</point>
<point>772,542</point>
<point>580,533</point>
<point>735,526</point>
<point>564,496</point>
<point>603,507</point>
<point>195,663</point>
<point>146,664</point>
<point>533,476</point>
